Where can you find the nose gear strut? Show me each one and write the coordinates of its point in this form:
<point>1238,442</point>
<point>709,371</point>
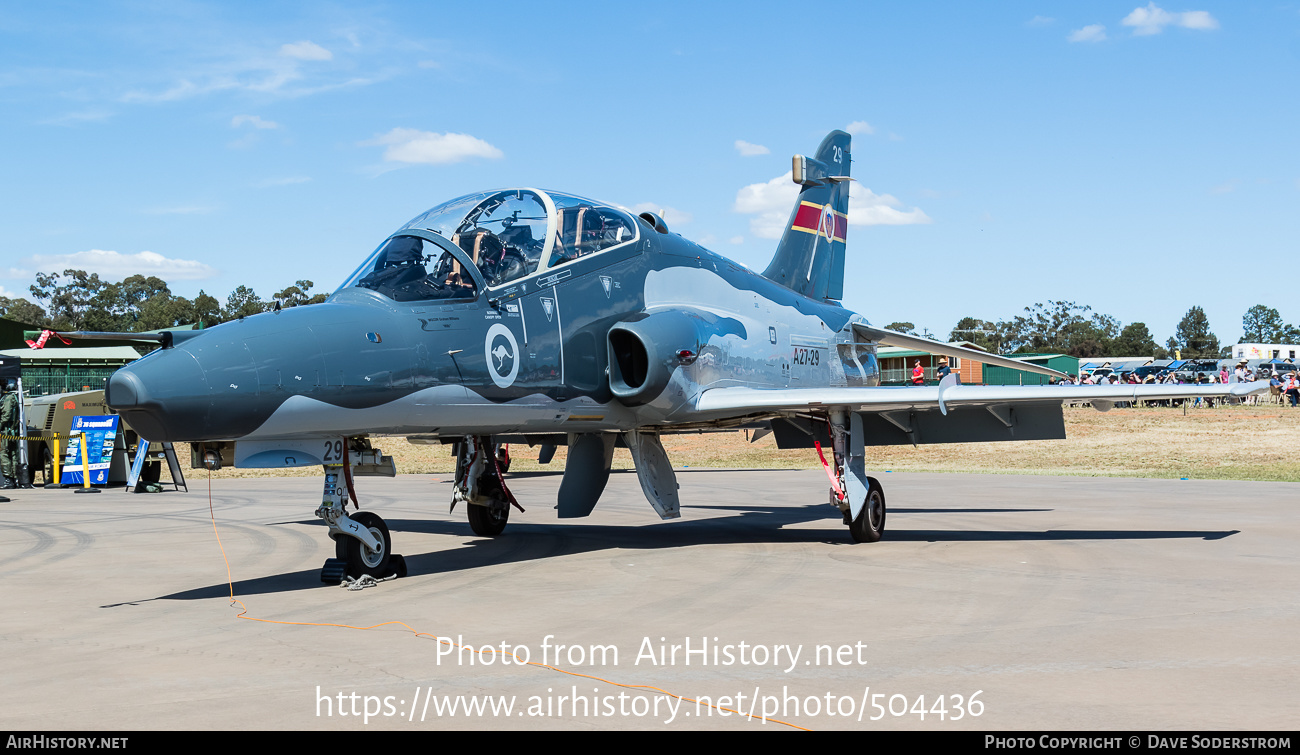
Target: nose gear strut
<point>362,545</point>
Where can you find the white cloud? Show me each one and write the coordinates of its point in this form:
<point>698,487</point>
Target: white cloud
<point>1041,21</point>
<point>1090,33</point>
<point>305,50</point>
<point>868,208</point>
<point>180,91</point>
<point>671,216</point>
<point>115,266</point>
<point>1153,20</point>
<point>408,145</point>
<point>253,121</point>
<point>1198,19</point>
<point>860,128</point>
<point>736,240</point>
<point>6,293</point>
<point>772,202</point>
<point>262,71</point>
<point>750,150</point>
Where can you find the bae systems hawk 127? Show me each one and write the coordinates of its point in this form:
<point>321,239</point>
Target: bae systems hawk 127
<point>533,316</point>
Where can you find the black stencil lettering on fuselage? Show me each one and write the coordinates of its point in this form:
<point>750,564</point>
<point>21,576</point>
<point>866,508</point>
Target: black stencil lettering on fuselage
<point>807,357</point>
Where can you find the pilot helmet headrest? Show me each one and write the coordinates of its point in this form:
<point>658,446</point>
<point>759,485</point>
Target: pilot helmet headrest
<point>404,249</point>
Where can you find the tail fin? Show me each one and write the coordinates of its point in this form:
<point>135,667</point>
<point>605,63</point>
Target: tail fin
<point>810,257</point>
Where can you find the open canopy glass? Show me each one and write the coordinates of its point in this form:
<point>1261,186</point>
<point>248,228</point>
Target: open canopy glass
<point>507,235</point>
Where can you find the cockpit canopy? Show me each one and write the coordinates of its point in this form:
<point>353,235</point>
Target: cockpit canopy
<point>490,239</point>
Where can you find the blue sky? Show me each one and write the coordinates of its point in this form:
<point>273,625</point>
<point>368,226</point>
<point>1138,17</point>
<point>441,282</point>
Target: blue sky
<point>1139,158</point>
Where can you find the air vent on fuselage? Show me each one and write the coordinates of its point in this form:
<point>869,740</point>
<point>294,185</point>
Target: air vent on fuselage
<point>631,358</point>
<point>654,221</point>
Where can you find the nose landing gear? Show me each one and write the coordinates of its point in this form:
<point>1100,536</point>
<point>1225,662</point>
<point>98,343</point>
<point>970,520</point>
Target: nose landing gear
<point>362,544</point>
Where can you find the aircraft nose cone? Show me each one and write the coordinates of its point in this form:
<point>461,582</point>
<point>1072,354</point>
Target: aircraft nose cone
<point>124,391</point>
<point>163,397</point>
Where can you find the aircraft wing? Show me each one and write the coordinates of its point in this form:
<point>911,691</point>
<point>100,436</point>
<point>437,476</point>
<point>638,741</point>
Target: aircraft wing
<point>944,413</point>
<point>883,399</point>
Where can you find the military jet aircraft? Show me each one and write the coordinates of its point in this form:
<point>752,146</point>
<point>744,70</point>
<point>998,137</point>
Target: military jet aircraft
<point>527,315</point>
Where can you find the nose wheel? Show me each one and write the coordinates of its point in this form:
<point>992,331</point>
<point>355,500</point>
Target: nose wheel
<point>361,558</point>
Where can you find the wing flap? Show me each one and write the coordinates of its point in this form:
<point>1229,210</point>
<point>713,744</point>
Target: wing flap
<point>972,424</point>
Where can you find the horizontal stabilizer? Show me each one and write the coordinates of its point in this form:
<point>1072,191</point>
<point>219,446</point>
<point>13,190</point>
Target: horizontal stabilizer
<point>903,340</point>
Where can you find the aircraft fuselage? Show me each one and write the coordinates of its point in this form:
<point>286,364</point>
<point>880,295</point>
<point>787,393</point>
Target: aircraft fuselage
<point>534,356</point>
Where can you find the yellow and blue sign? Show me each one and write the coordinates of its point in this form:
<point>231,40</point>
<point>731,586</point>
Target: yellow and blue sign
<point>100,434</point>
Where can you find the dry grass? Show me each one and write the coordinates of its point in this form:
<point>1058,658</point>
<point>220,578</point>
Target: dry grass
<point>1231,443</point>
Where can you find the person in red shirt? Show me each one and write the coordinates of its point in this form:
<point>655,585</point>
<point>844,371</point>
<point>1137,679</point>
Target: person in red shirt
<point>918,374</point>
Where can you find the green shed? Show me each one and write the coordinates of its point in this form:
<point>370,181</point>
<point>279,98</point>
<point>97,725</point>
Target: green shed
<point>994,375</point>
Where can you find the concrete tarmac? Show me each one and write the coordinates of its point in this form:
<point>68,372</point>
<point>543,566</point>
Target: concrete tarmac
<point>994,602</point>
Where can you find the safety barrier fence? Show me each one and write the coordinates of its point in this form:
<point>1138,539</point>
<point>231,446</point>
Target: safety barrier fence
<point>55,454</point>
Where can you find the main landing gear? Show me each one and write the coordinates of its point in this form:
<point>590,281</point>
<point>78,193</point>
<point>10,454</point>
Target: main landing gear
<point>869,524</point>
<point>859,498</point>
<point>362,545</point>
<point>480,483</point>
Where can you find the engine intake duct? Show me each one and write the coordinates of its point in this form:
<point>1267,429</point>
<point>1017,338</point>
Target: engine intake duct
<point>644,352</point>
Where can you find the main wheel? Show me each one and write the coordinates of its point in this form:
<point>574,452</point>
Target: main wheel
<point>870,522</point>
<point>361,559</point>
<point>490,520</point>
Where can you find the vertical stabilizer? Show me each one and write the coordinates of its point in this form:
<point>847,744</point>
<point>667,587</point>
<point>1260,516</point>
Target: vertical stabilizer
<point>810,257</point>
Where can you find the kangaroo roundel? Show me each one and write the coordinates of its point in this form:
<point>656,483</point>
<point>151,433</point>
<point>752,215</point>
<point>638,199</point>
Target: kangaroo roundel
<point>502,352</point>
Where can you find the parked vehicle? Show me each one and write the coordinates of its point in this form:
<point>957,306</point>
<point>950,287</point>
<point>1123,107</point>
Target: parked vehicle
<point>1150,369</point>
<point>1195,369</point>
<point>47,415</point>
